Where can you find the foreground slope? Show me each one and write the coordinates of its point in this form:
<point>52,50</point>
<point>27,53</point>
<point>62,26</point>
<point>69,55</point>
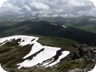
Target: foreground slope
<point>26,54</point>
<point>24,51</point>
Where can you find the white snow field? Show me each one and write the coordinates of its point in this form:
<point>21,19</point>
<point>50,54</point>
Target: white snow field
<point>41,58</point>
<point>44,58</point>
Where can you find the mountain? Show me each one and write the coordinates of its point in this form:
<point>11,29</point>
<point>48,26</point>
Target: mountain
<point>87,24</point>
<point>24,53</point>
<point>47,36</point>
<point>49,29</point>
<point>27,52</point>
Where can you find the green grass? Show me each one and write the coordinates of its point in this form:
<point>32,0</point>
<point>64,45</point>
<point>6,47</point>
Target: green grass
<point>56,41</point>
<point>86,27</point>
<point>72,64</point>
<point>90,28</point>
<point>10,58</point>
<point>11,54</point>
<point>61,67</point>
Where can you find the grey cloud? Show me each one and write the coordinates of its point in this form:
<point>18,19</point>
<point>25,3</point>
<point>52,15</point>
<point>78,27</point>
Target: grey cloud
<point>45,7</point>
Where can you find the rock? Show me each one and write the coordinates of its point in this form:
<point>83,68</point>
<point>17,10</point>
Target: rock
<point>78,70</point>
<point>86,52</point>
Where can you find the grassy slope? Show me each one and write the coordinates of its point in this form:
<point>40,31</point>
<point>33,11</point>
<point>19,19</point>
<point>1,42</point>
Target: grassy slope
<point>47,29</point>
<point>56,41</point>
<point>87,25</point>
<point>11,54</point>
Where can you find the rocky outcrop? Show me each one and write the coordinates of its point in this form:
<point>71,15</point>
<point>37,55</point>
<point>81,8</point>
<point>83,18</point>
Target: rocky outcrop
<point>78,70</point>
<point>85,52</point>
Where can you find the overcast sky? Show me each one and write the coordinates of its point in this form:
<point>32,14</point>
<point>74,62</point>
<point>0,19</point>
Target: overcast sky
<point>45,7</point>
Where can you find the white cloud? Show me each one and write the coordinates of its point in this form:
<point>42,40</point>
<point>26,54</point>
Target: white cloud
<point>8,7</point>
<point>26,7</point>
<point>52,7</point>
<point>77,3</point>
<point>39,5</point>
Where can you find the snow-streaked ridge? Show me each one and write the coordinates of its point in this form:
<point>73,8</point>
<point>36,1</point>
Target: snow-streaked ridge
<point>42,53</point>
<point>27,39</point>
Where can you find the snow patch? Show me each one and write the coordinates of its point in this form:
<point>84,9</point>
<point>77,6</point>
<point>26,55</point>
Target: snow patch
<point>44,55</point>
<point>47,53</point>
<point>64,54</point>
<point>64,26</point>
<point>27,39</point>
<point>54,24</point>
<point>39,53</point>
<point>36,47</point>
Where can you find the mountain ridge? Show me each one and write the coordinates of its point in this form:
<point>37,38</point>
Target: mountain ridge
<point>48,56</point>
<point>50,29</point>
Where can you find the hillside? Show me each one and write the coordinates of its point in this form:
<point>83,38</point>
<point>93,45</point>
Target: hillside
<point>15,51</point>
<point>49,29</point>
<point>87,24</point>
<point>25,54</point>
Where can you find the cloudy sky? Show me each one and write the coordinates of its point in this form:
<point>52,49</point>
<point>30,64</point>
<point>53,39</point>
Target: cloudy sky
<point>47,7</point>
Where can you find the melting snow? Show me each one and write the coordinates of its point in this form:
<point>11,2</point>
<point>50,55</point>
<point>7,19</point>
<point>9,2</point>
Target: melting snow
<point>47,53</point>
<point>27,39</point>
<point>44,53</point>
<point>36,47</point>
<point>1,69</point>
<point>64,54</point>
<point>64,26</point>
